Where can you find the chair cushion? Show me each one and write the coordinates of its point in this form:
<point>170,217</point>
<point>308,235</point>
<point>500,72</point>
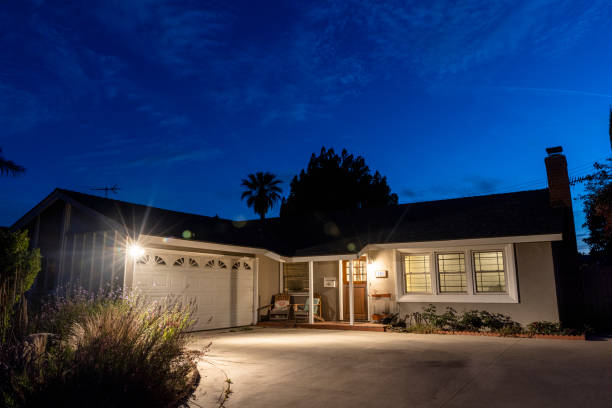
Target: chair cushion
<point>281,304</point>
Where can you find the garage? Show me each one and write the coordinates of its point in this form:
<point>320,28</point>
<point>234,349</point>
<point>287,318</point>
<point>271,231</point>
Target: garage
<point>222,286</point>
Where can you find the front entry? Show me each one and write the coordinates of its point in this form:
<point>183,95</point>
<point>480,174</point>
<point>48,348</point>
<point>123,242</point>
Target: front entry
<point>360,295</point>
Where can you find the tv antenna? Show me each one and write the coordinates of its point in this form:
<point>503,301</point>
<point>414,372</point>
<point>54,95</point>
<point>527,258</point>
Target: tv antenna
<point>112,189</point>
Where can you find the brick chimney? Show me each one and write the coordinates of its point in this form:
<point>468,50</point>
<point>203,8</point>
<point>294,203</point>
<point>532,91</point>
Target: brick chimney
<point>558,179</point>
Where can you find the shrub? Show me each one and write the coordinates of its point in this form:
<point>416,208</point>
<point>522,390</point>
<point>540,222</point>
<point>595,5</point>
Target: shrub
<point>495,321</point>
<point>445,321</point>
<point>420,329</point>
<point>471,321</point>
<point>544,327</point>
<point>111,351</point>
<point>19,266</point>
<point>430,321</point>
<point>510,329</point>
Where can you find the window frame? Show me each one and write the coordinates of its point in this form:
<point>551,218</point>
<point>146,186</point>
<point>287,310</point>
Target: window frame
<point>471,295</point>
<point>472,261</point>
<point>432,282</point>
<point>465,267</point>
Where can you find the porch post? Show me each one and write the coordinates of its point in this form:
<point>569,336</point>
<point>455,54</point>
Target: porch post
<point>351,294</point>
<point>281,269</point>
<point>340,292</point>
<point>311,292</point>
<point>255,291</point>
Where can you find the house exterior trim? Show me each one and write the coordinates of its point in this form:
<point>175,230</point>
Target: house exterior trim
<point>466,242</point>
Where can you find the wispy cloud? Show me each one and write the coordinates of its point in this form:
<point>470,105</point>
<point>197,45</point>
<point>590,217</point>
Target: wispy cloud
<point>569,92</point>
<point>323,55</point>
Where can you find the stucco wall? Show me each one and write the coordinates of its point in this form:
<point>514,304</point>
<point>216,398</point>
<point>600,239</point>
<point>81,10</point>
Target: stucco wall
<point>536,283</point>
<point>381,261</point>
<point>268,279</point>
<point>329,296</point>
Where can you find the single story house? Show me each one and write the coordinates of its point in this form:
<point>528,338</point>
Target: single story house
<point>510,253</point>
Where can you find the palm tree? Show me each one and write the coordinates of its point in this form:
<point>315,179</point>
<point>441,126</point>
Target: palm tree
<point>262,191</point>
<point>9,167</point>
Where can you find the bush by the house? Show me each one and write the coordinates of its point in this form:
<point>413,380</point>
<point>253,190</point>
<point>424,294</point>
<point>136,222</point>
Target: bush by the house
<point>105,351</point>
<point>479,321</point>
<point>552,328</point>
<point>430,321</point>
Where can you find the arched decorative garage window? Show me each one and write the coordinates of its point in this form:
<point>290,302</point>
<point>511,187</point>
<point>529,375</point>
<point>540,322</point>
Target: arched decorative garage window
<point>193,262</point>
<point>221,264</point>
<point>239,264</point>
<point>179,262</point>
<point>144,259</point>
<point>210,263</point>
<point>159,260</point>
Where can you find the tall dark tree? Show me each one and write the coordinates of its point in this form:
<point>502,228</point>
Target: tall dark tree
<point>262,192</point>
<point>598,211</point>
<point>336,182</point>
<point>9,167</point>
<point>610,127</point>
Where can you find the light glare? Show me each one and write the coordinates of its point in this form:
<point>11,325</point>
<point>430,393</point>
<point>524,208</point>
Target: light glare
<point>136,250</point>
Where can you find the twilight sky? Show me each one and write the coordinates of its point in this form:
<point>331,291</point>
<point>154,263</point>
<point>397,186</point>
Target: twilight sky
<point>177,101</point>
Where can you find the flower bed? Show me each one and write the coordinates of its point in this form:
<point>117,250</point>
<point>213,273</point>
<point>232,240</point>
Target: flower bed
<point>478,323</point>
<point>521,335</point>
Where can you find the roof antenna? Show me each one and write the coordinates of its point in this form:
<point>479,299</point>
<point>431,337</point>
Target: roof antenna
<point>112,189</point>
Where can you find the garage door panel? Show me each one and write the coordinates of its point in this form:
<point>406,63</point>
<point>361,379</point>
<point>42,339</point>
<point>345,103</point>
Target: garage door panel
<point>223,295</point>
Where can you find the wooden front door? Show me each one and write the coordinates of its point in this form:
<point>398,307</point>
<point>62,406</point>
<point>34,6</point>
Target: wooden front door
<point>360,295</point>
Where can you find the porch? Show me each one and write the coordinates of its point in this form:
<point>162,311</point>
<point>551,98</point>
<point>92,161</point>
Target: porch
<point>335,325</point>
<point>342,290</point>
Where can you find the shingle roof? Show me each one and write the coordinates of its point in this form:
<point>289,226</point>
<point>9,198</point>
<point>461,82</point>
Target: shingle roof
<point>498,215</point>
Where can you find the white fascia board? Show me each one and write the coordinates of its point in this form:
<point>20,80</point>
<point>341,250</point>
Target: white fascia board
<point>467,242</point>
<point>322,258</point>
<point>145,240</point>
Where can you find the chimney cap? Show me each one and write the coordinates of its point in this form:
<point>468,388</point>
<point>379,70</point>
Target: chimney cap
<point>554,150</point>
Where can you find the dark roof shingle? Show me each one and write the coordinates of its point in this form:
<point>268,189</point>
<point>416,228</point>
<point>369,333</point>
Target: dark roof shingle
<point>498,215</point>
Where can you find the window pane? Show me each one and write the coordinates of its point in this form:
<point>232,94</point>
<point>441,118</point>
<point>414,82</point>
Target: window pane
<point>360,273</point>
<point>451,273</point>
<point>296,277</point>
<point>418,277</point>
<point>489,271</point>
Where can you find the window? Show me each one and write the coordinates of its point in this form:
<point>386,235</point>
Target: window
<point>417,272</point>
<point>489,271</point>
<point>360,271</point>
<point>451,273</point>
<point>296,276</point>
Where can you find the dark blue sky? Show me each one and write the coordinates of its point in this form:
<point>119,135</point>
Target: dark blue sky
<point>177,101</point>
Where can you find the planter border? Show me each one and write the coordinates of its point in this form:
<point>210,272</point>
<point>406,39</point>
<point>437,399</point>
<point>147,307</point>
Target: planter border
<point>520,335</point>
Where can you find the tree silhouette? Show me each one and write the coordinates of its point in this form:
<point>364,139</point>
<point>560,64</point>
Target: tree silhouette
<point>262,192</point>
<point>597,201</point>
<point>8,167</point>
<point>336,182</point>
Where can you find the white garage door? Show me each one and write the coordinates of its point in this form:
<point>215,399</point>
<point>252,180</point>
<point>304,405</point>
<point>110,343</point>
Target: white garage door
<point>221,286</point>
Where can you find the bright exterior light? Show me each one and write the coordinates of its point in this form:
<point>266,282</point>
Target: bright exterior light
<point>135,250</point>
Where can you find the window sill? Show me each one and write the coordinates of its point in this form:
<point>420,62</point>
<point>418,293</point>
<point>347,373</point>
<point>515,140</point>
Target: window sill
<point>460,298</point>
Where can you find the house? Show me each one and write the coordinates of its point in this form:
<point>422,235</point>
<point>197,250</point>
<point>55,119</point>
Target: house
<point>509,253</point>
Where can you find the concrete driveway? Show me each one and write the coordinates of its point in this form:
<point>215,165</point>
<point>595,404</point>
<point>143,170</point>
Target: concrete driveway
<point>296,368</point>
